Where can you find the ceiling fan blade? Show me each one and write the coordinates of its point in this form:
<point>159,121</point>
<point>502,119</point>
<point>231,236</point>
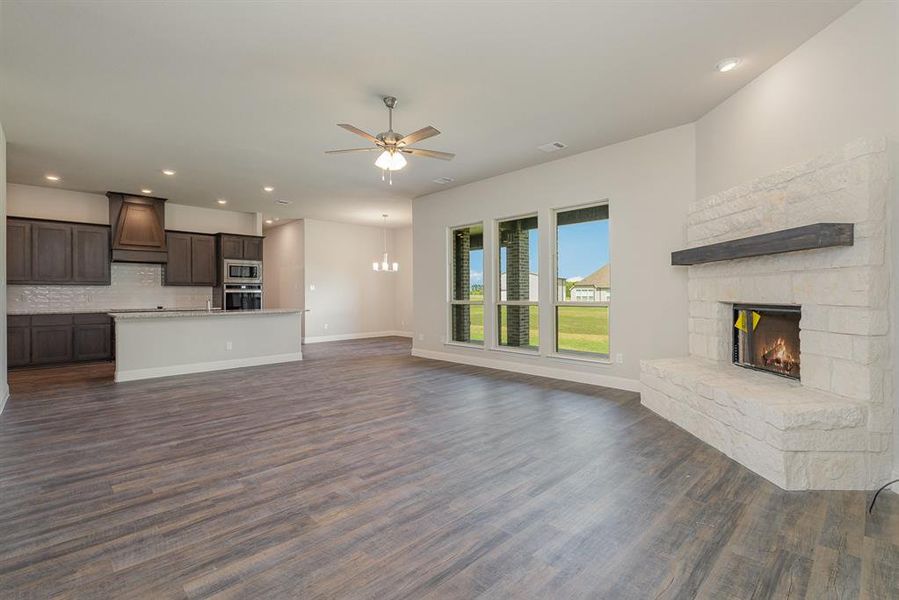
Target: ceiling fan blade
<point>358,131</point>
<point>352,150</point>
<point>416,136</point>
<point>429,153</point>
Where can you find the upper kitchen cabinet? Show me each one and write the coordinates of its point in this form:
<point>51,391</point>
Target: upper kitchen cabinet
<point>241,247</point>
<point>56,253</point>
<point>191,259</point>
<point>138,228</point>
<point>90,260</point>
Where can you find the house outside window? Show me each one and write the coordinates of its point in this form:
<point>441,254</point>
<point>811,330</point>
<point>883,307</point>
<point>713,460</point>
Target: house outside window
<point>583,282</point>
<point>467,284</point>
<point>517,311</point>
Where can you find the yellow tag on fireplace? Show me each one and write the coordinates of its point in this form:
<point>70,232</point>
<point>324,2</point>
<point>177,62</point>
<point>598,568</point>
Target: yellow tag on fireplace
<point>741,321</point>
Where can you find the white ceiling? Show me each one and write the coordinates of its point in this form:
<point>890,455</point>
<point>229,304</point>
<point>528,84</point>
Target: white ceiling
<point>239,95</point>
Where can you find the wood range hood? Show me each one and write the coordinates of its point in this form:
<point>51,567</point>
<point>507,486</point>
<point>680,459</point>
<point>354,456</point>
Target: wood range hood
<point>138,228</point>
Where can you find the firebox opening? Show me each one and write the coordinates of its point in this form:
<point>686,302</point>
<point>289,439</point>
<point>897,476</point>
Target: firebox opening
<point>766,338</point>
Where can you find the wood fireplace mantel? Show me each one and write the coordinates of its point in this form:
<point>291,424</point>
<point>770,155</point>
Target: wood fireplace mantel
<point>807,237</point>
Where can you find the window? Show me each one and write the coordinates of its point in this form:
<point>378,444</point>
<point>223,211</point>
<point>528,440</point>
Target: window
<point>583,282</point>
<point>467,284</point>
<point>517,312</point>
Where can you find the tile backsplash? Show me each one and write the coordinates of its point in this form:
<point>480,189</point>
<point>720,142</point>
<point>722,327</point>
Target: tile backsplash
<point>132,286</point>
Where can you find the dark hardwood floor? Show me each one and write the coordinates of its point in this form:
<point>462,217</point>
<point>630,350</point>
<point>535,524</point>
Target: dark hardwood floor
<point>365,473</point>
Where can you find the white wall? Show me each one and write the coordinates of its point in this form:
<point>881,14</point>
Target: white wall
<point>402,247</point>
<point>349,299</point>
<point>64,205</point>
<point>842,84</point>
<point>283,250</point>
<point>648,182</point>
<point>4,386</point>
<point>837,87</point>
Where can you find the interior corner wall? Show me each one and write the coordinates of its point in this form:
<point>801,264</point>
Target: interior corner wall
<point>283,250</point>
<point>402,247</point>
<point>345,298</point>
<point>648,181</point>
<point>4,385</point>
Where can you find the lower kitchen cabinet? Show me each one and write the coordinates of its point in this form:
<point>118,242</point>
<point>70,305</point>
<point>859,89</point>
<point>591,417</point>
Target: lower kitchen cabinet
<point>58,339</point>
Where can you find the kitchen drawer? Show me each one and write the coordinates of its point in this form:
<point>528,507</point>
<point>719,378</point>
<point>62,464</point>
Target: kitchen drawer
<point>18,321</point>
<point>90,319</point>
<point>46,320</point>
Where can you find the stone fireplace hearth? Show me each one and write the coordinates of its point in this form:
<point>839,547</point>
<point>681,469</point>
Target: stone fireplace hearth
<point>826,422</point>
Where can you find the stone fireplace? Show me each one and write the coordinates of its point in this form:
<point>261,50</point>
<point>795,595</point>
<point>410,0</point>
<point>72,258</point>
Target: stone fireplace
<point>813,407</point>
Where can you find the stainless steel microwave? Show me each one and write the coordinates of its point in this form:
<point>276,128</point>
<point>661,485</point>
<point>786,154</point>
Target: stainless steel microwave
<point>242,271</point>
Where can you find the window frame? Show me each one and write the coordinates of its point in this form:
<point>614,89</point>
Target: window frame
<point>450,286</point>
<point>555,303</point>
<point>497,295</point>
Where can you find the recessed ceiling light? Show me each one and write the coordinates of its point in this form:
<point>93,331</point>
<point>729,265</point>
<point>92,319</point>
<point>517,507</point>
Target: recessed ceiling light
<point>168,172</point>
<point>268,221</point>
<point>277,218</point>
<point>728,64</point>
<point>269,188</point>
<point>222,201</point>
<point>444,180</point>
<point>146,191</point>
<point>51,177</point>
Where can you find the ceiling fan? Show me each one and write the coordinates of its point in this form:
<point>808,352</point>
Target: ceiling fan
<point>393,145</point>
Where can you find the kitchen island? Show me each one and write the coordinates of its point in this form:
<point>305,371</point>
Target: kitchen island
<point>159,344</point>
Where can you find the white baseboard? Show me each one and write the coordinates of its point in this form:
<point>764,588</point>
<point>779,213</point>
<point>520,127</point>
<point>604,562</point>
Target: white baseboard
<point>317,339</point>
<point>218,365</point>
<point>610,381</point>
<point>5,396</point>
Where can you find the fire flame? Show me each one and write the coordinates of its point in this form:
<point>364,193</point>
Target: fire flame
<point>777,356</point>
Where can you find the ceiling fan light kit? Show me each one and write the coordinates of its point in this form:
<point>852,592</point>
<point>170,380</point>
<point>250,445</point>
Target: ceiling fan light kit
<point>393,145</point>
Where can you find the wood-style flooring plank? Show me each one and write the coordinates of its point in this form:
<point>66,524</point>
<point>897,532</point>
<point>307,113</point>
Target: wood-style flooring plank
<point>363,472</point>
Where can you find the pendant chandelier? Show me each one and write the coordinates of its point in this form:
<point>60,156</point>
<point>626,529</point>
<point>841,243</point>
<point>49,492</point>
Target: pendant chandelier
<point>385,265</point>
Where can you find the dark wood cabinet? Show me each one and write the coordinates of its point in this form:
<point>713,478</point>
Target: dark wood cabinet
<point>232,246</point>
<point>177,269</point>
<point>202,266</point>
<point>241,247</point>
<point>58,338</point>
<point>191,259</point>
<point>18,341</point>
<point>56,253</point>
<point>252,248</point>
<point>90,254</point>
<point>51,252</point>
<point>51,344</point>
<point>92,340</point>
<point>18,251</point>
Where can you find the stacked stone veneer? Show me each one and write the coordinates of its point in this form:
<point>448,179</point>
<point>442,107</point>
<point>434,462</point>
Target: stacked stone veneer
<point>832,430</point>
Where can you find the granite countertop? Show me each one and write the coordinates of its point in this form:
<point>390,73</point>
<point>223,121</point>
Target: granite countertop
<point>90,311</point>
<point>175,314</point>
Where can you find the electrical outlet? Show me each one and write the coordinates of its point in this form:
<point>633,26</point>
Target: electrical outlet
<point>326,325</point>
<point>619,358</point>
<point>421,337</point>
<point>229,345</point>
<point>312,288</point>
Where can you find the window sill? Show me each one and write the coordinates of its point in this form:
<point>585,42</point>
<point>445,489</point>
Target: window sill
<point>585,359</point>
<point>464,345</point>
<point>535,353</point>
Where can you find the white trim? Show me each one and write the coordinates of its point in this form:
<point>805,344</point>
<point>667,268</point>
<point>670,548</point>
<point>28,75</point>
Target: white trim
<point>317,339</point>
<point>611,381</point>
<point>216,365</point>
<point>5,397</point>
